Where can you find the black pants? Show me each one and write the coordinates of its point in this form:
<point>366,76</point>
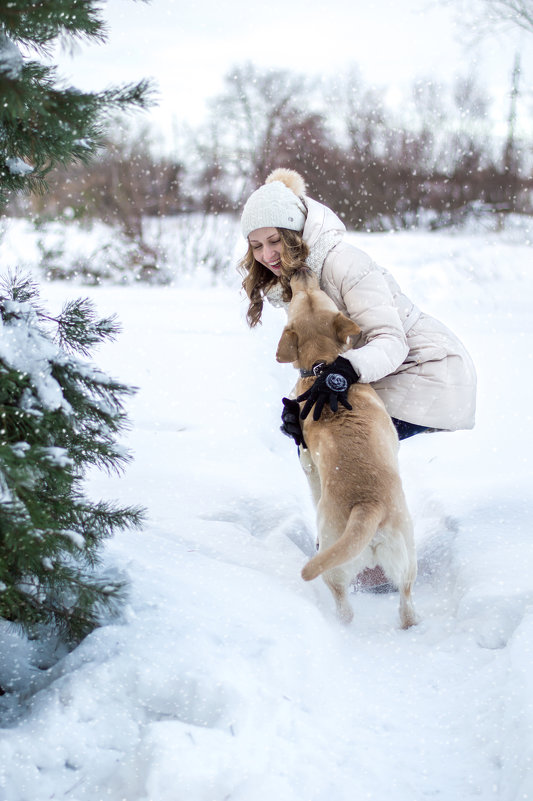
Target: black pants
<point>406,430</point>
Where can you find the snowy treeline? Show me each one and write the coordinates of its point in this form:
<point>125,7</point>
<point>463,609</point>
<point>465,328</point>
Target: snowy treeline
<point>430,159</point>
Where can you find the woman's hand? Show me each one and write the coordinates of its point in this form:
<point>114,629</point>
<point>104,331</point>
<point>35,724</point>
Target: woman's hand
<point>331,386</point>
<point>290,421</point>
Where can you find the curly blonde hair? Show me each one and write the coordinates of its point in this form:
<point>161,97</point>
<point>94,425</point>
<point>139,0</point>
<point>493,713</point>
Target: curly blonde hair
<point>258,279</point>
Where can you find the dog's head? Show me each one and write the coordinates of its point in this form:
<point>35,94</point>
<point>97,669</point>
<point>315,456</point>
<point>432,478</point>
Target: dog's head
<point>316,330</point>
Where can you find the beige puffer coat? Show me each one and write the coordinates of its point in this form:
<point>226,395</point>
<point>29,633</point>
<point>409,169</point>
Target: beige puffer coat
<point>419,368</point>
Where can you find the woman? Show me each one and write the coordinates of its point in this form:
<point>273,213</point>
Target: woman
<point>418,367</point>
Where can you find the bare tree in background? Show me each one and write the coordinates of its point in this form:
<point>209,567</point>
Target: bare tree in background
<point>212,191</point>
<point>516,12</point>
<point>480,18</point>
<point>248,119</point>
<point>359,189</point>
<point>125,183</point>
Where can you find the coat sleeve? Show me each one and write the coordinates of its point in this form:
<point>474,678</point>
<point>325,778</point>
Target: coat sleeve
<point>369,302</point>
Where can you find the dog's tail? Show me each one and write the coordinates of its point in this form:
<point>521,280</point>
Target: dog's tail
<point>364,520</point>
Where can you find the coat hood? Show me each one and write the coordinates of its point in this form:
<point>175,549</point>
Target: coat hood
<point>320,220</point>
<point>322,232</point>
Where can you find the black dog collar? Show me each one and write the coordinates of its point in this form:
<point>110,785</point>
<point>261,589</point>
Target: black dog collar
<point>315,371</point>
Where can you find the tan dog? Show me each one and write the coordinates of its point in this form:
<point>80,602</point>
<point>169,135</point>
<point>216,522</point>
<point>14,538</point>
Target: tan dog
<point>351,462</point>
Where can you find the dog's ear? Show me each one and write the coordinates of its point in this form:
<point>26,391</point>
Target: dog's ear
<point>345,328</point>
<point>288,346</point>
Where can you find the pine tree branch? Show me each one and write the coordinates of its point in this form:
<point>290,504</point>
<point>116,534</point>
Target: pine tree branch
<point>38,23</point>
<point>43,122</point>
<point>79,328</point>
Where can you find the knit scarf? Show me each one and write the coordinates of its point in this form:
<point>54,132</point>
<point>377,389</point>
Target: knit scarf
<point>315,262</point>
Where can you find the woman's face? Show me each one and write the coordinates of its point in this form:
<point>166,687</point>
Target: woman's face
<point>266,247</point>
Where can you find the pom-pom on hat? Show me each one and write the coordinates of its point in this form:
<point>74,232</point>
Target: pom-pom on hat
<point>276,204</point>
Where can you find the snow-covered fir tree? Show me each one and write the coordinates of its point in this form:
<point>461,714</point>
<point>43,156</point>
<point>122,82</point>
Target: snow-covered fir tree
<point>43,122</point>
<point>59,414</point>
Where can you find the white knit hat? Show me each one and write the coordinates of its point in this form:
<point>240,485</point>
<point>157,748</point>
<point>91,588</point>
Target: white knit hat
<point>276,204</point>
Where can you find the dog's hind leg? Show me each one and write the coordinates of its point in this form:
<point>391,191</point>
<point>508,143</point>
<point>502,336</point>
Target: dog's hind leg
<point>408,615</point>
<point>337,582</point>
<point>401,567</point>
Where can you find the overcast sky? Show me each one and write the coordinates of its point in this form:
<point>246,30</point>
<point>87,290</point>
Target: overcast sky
<point>188,46</point>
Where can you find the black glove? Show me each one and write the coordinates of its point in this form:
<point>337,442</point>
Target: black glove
<point>331,386</point>
<point>290,421</point>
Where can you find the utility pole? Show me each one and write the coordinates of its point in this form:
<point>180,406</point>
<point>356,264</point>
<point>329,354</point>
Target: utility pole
<point>510,156</point>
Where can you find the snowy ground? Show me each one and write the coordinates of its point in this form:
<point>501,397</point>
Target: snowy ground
<point>229,678</point>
